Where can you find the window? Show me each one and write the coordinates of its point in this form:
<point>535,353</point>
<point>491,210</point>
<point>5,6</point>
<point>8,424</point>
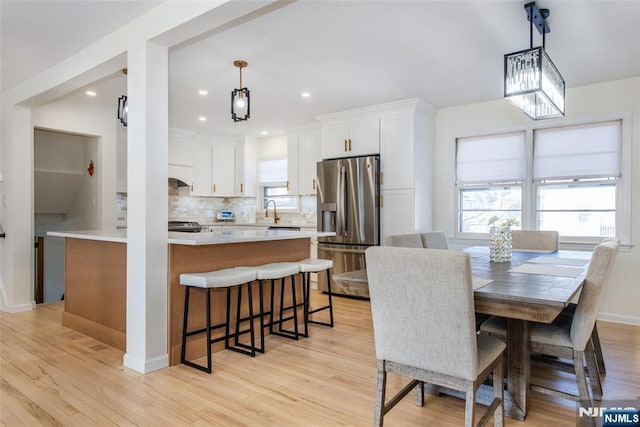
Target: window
<point>576,170</point>
<point>489,174</point>
<point>572,183</point>
<point>272,176</point>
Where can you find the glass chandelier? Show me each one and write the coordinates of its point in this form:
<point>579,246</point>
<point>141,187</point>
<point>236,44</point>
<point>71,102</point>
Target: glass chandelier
<point>531,80</point>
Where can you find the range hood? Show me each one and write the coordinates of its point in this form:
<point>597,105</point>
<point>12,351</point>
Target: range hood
<point>183,175</point>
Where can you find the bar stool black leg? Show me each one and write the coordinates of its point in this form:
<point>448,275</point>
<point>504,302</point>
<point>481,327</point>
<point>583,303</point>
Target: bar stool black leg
<point>261,296</point>
<point>208,320</point>
<point>329,306</point>
<point>183,350</point>
<point>271,306</point>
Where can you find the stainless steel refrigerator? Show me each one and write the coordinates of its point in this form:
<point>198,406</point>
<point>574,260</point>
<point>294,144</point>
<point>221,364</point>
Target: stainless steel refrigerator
<point>349,205</point>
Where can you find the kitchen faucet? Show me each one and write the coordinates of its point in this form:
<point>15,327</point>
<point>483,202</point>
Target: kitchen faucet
<point>276,218</point>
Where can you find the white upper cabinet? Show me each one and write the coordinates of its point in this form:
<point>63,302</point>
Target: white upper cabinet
<point>246,168</point>
<point>302,156</point>
<point>224,168</point>
<point>347,137</point>
<point>223,174</point>
<point>202,168</point>
<point>397,154</point>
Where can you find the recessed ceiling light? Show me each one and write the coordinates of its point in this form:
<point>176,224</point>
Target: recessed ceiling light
<point>305,94</point>
<point>265,132</point>
<point>203,92</point>
<point>202,118</point>
<point>90,93</point>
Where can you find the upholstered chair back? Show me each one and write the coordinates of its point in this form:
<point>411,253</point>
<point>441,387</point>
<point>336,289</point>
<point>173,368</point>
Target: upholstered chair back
<point>434,240</point>
<point>598,273</point>
<point>404,241</point>
<point>423,310</point>
<point>537,240</point>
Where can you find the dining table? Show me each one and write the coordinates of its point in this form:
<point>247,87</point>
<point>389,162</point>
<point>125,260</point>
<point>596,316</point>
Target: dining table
<point>531,287</point>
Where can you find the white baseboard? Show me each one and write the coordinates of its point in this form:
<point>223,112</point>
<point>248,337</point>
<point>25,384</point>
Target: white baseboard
<point>14,308</point>
<point>619,318</point>
<point>146,366</point>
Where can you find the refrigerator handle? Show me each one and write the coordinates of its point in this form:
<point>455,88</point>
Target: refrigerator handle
<point>342,202</point>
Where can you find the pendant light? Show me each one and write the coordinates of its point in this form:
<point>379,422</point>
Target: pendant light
<point>123,106</point>
<point>531,80</point>
<point>240,99</point>
<point>123,109</point>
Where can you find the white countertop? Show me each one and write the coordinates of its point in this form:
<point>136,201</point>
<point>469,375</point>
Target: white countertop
<point>180,238</point>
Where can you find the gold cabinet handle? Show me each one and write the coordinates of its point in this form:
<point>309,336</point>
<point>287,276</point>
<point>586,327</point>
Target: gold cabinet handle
<point>241,187</point>
<point>349,144</point>
<point>314,183</point>
<point>345,145</point>
<point>381,200</point>
<point>214,188</point>
<point>287,185</point>
<point>381,178</point>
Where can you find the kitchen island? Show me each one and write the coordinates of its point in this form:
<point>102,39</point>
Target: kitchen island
<point>96,270</point>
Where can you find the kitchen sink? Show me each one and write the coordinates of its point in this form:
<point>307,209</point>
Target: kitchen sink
<point>283,227</point>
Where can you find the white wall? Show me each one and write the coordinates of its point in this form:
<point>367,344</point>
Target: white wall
<point>622,299</point>
<point>66,116</point>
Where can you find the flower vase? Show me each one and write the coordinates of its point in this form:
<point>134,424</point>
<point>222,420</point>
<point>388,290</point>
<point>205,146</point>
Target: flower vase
<point>500,244</point>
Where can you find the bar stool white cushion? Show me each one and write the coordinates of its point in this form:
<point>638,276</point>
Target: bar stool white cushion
<point>218,279</point>
<point>312,265</point>
<point>274,270</point>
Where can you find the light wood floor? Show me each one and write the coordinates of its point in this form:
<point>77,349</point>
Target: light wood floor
<point>51,375</point>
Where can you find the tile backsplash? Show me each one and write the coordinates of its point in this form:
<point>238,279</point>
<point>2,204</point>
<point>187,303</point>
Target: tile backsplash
<point>185,207</point>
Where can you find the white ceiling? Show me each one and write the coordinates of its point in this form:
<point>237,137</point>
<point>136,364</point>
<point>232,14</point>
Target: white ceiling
<point>347,54</point>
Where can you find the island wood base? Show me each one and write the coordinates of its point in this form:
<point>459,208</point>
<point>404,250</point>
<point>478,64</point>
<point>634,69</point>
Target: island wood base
<point>95,294</point>
<point>200,258</point>
<point>95,286</point>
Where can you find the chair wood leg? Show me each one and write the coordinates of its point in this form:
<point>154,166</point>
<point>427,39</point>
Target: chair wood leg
<point>380,394</point>
<point>498,392</point>
<point>592,371</point>
<point>470,405</point>
<point>419,394</point>
<point>598,349</point>
<point>581,380</point>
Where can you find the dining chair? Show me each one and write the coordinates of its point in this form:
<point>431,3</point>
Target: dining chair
<point>423,323</point>
<point>536,240</point>
<point>412,240</point>
<point>571,337</point>
<point>434,240</point>
<point>595,337</point>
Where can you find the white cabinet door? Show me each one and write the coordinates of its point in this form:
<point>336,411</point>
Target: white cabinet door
<point>335,138</point>
<point>307,159</point>
<point>397,213</point>
<point>223,169</point>
<point>355,137</point>
<point>397,150</point>
<point>364,136</point>
<point>202,163</point>
<point>246,168</point>
<point>293,162</point>
<point>302,156</point>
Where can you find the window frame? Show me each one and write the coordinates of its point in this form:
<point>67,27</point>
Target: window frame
<point>529,187</point>
<point>262,198</point>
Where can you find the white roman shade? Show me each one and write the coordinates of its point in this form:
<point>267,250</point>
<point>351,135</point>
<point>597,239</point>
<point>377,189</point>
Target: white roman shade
<point>586,151</point>
<point>491,159</point>
<point>272,170</point>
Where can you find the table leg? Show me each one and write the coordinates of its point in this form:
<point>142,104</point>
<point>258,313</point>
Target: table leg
<point>518,367</point>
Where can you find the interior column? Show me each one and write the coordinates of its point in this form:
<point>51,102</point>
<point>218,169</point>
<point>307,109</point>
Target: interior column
<point>147,170</point>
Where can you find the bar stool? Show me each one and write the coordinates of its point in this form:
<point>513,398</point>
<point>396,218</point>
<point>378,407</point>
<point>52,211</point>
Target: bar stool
<point>278,271</point>
<point>227,278</point>
<point>308,266</point>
